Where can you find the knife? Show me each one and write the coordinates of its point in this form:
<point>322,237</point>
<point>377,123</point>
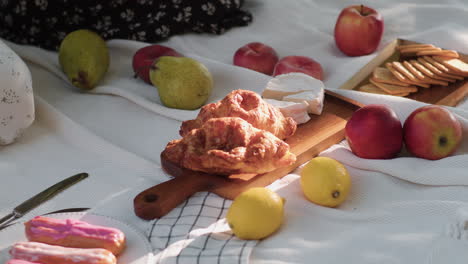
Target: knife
<point>41,197</point>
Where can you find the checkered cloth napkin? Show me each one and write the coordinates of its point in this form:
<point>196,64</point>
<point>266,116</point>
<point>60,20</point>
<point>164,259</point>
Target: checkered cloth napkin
<point>196,231</point>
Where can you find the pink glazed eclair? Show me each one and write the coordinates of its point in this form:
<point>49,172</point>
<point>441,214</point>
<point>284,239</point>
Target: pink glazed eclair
<point>49,254</point>
<point>74,233</point>
<point>20,261</point>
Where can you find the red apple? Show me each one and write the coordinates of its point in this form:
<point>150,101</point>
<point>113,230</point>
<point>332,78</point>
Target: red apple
<point>144,58</point>
<point>374,132</point>
<point>432,132</point>
<point>358,30</point>
<point>302,64</point>
<point>256,56</point>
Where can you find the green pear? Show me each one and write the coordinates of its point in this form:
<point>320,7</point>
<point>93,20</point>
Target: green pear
<point>183,83</point>
<point>84,58</point>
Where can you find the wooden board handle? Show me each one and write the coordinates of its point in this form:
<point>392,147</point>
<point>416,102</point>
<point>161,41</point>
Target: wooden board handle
<point>157,201</point>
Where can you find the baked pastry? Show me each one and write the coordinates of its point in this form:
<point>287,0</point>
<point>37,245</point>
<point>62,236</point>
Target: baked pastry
<point>74,233</point>
<point>50,254</point>
<point>249,106</point>
<point>229,145</point>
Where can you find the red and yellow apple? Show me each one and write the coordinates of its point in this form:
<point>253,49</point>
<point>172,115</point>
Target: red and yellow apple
<point>256,56</point>
<point>302,64</point>
<point>358,30</point>
<point>144,58</point>
<point>374,132</point>
<point>432,132</point>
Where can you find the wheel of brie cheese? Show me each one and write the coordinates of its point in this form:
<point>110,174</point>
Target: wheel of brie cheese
<point>16,96</point>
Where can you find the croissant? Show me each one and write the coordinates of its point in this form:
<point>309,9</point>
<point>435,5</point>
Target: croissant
<point>229,145</point>
<point>249,106</point>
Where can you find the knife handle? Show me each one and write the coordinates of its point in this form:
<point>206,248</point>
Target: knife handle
<point>157,201</point>
<point>7,219</point>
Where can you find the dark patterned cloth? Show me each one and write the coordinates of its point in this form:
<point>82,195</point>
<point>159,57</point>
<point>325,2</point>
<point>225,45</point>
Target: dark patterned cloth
<point>45,23</point>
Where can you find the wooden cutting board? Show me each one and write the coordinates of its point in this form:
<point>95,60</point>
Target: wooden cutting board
<point>310,139</point>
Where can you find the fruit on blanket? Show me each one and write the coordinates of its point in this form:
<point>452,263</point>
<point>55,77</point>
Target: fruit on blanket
<point>144,58</point>
<point>358,30</point>
<point>256,56</point>
<point>84,58</point>
<point>302,64</point>
<point>183,83</point>
<point>256,213</point>
<point>432,132</point>
<point>325,181</point>
<point>374,132</point>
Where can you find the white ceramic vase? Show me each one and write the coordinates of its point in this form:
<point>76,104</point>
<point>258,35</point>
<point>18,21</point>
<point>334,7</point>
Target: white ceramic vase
<point>16,96</point>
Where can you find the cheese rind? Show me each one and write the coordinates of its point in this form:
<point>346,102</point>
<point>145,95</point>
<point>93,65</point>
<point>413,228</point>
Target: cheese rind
<point>291,83</point>
<point>314,100</point>
<point>299,88</point>
<point>297,111</point>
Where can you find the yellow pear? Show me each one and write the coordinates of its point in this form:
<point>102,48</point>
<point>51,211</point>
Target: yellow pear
<point>183,83</point>
<point>84,58</point>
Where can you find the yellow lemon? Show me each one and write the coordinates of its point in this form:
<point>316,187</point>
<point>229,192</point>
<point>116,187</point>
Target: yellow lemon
<point>255,213</point>
<point>325,181</point>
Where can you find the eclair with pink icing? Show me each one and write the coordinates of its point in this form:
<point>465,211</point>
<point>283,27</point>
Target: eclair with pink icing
<point>20,261</point>
<point>50,254</point>
<point>74,233</point>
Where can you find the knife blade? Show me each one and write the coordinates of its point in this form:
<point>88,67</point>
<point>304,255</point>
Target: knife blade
<point>41,197</point>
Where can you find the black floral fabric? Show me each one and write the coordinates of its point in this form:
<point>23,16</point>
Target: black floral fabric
<point>45,23</point>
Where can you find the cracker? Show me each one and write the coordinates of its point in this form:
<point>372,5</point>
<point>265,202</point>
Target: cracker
<point>400,68</point>
<point>413,70</point>
<point>424,70</point>
<point>394,89</point>
<point>456,65</point>
<point>442,68</point>
<point>437,71</point>
<point>403,78</point>
<point>445,53</point>
<point>410,46</point>
<point>370,88</point>
<point>402,94</point>
<point>421,76</point>
<point>384,75</point>
<point>415,50</point>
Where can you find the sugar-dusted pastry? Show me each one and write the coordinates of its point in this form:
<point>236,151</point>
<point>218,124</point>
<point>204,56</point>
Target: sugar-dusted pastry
<point>229,145</point>
<point>20,261</point>
<point>50,254</point>
<point>249,106</point>
<point>74,233</point>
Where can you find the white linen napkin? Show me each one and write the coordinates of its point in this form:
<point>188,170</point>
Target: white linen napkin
<point>405,207</point>
<point>119,79</point>
<point>405,166</point>
<point>53,148</point>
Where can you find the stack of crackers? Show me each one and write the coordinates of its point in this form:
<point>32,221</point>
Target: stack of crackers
<point>426,65</point>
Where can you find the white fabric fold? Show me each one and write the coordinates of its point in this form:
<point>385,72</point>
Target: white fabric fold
<point>120,80</point>
<point>54,148</point>
<point>397,212</point>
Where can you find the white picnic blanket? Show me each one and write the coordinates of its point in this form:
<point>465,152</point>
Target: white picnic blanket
<point>402,210</point>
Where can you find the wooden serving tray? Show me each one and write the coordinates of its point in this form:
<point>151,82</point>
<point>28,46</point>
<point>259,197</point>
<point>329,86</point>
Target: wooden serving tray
<point>310,139</point>
<point>449,95</point>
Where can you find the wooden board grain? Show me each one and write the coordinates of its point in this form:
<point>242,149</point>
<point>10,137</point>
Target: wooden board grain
<point>310,139</point>
<point>450,95</point>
